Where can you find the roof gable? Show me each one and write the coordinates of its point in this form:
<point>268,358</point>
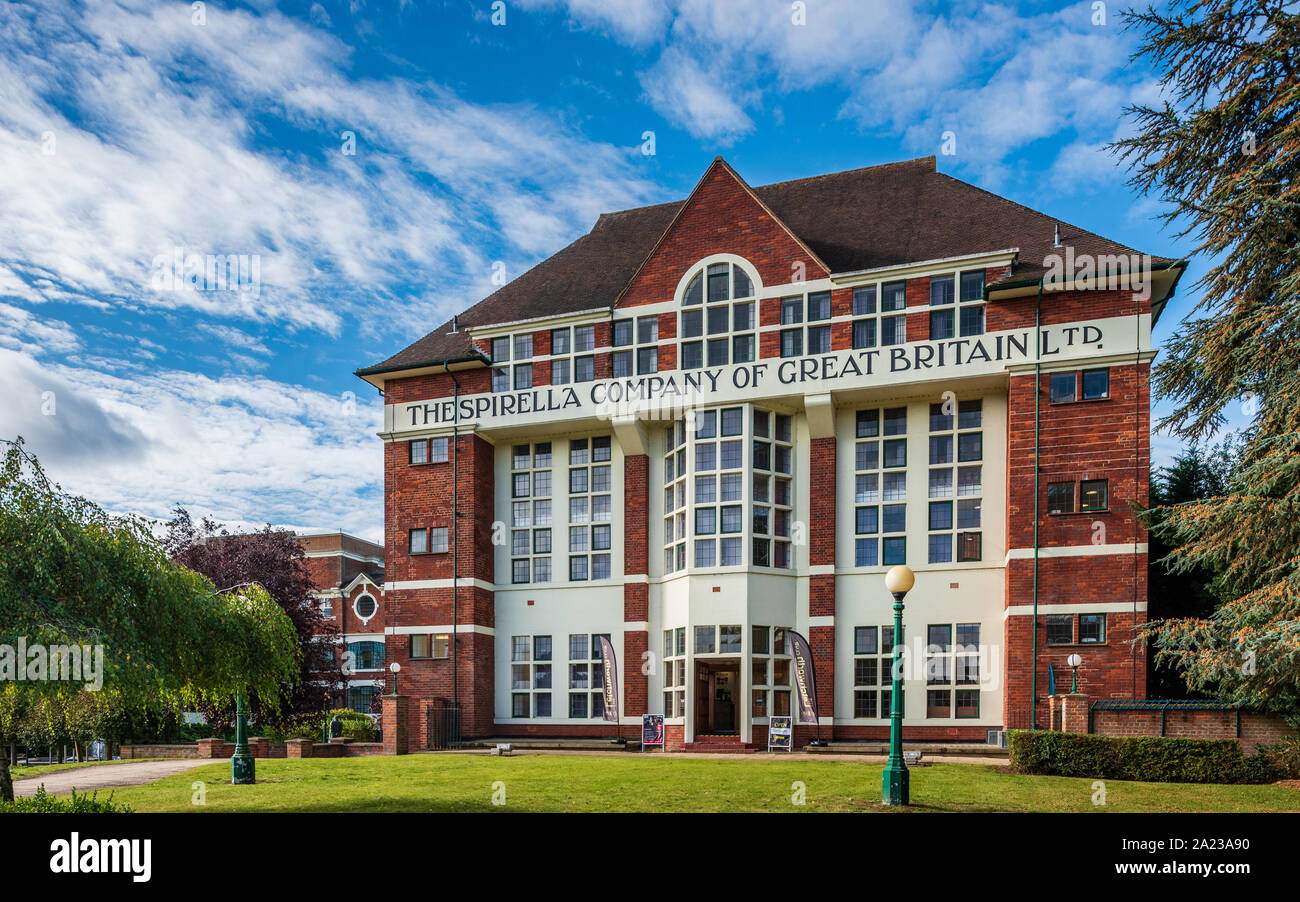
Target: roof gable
<point>722,215</point>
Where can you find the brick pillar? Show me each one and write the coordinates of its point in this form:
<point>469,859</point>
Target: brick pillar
<point>211,748</point>
<point>1074,712</point>
<point>636,589</point>
<point>821,584</point>
<point>395,716</point>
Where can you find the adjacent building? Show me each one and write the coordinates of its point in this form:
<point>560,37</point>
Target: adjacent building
<point>708,422</point>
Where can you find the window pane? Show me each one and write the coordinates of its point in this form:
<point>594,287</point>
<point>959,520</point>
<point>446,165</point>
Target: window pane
<point>1062,387</point>
<point>941,515</point>
<point>1060,497</point>
<point>865,553</point>
<point>743,285</point>
<point>972,321</point>
<point>893,330</point>
<point>719,282</point>
<point>940,548</point>
<point>791,342</point>
<point>940,449</point>
<point>941,290</point>
<point>1092,628</point>
<point>1093,495</point>
<point>868,423</point>
<point>896,421</point>
<point>893,296</point>
<point>970,446</point>
<point>864,300</point>
<point>972,285</point>
<point>940,484</point>
<point>692,355</point>
<point>622,334</point>
<point>1096,384</point>
<point>896,452</point>
<point>560,341</point>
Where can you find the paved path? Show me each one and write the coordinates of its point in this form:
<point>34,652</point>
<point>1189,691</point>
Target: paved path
<point>107,776</point>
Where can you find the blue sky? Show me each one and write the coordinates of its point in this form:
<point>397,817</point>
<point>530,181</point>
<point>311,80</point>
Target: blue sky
<point>129,130</point>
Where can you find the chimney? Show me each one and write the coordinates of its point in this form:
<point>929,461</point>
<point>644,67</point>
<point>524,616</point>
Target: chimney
<point>1056,239</point>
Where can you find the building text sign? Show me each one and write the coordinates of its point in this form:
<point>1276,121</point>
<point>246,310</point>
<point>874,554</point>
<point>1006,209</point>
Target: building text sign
<point>663,395</point>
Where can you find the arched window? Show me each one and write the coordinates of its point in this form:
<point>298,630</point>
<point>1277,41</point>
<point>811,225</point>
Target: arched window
<point>719,317</point>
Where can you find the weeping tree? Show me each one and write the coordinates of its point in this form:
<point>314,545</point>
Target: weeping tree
<point>73,576</point>
<point>1221,149</point>
<point>275,560</point>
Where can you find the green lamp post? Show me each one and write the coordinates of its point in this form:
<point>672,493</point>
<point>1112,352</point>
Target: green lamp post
<point>1074,661</point>
<point>899,581</point>
<point>241,763</point>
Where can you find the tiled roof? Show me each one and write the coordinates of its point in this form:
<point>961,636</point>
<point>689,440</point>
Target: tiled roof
<point>888,215</point>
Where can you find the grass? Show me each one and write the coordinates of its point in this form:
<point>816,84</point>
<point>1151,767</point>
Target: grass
<point>35,770</point>
<point>572,783</point>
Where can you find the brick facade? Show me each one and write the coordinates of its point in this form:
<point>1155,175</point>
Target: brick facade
<point>1086,562</point>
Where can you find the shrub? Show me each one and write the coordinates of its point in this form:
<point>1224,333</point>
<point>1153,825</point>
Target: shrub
<point>1155,759</point>
<point>308,726</point>
<point>78,804</point>
<point>1285,756</point>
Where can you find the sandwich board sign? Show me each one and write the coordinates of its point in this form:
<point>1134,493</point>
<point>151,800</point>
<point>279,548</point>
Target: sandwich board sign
<point>780,733</point>
<point>652,730</point>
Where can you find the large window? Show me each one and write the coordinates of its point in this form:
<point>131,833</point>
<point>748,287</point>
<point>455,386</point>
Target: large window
<point>531,676</point>
<point>571,357</point>
<point>586,676</point>
<point>813,308</point>
<point>427,450</point>
<point>880,487</point>
<point>639,340</point>
<point>956,449</point>
<point>362,698</point>
<point>769,671</point>
<point>873,660</point>
<point>531,493</point>
<point>719,317</point>
<point>430,645</point>
<point>952,670</point>
<point>737,482</point>
<point>674,658</point>
<point>366,655</point>
<point>590,508</point>
<point>1079,385</point>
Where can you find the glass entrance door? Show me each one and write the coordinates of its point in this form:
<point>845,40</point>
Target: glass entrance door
<point>717,697</point>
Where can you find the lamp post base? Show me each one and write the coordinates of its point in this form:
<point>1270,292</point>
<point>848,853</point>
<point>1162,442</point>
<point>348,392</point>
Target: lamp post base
<point>242,769</point>
<point>894,788</point>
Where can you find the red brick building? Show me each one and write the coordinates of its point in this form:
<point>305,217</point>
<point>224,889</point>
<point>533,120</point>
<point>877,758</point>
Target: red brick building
<point>349,576</point>
<point>711,421</point>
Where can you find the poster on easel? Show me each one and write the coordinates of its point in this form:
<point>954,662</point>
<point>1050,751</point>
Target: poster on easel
<point>780,733</point>
<point>652,731</point>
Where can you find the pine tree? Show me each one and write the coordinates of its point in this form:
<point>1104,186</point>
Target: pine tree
<point>1222,150</point>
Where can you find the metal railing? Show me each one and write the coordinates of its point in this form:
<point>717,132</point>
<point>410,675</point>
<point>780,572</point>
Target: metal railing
<point>1163,705</point>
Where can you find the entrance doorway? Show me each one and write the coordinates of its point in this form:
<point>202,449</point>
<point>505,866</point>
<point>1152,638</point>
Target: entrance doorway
<point>717,697</point>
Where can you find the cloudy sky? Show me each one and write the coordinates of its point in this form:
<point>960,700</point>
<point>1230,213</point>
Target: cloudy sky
<point>374,161</point>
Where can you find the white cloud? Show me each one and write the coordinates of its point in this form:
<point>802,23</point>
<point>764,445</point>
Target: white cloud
<point>28,332</point>
<point>128,131</point>
<point>998,77</point>
<point>244,450</point>
<point>695,99</point>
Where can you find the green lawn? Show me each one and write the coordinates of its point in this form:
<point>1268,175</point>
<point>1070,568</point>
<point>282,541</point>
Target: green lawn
<point>615,783</point>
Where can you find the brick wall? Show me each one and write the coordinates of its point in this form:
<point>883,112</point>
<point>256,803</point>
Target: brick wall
<point>1256,729</point>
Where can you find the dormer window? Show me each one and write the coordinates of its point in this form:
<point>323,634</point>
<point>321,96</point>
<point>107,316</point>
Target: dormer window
<point>719,317</point>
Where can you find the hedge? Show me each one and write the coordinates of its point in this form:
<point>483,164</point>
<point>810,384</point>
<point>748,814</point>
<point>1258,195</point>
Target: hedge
<point>1154,759</point>
<point>78,804</point>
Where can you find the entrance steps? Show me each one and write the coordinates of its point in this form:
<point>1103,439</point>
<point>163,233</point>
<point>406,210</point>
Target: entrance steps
<point>719,744</point>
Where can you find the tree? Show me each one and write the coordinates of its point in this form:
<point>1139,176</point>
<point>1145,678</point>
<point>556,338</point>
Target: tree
<point>1222,150</point>
<point>1196,474</point>
<point>275,560</point>
<point>71,574</point>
